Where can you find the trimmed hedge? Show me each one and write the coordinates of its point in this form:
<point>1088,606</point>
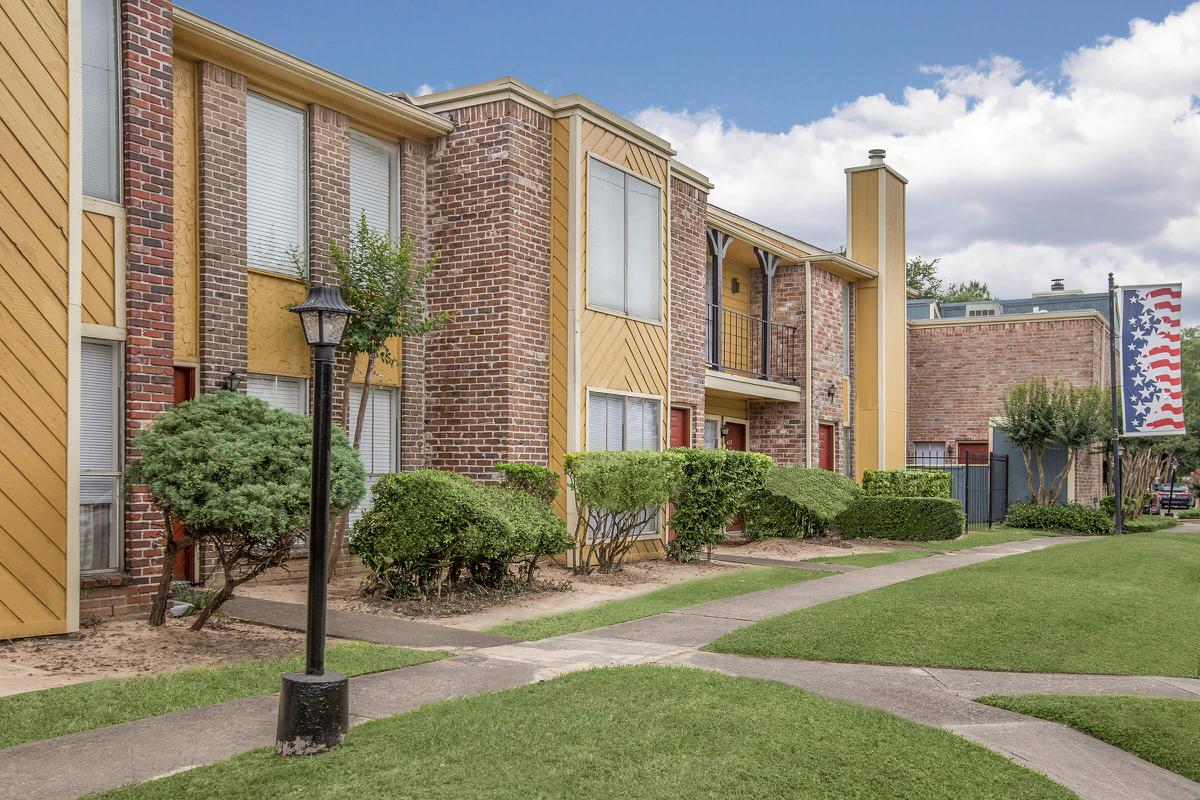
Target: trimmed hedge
<point>532,479</point>
<point>797,502</point>
<point>918,519</point>
<point>1132,505</point>
<point>1190,513</point>
<point>906,483</point>
<point>1070,517</point>
<point>716,484</point>
<point>426,530</point>
<point>1148,524</point>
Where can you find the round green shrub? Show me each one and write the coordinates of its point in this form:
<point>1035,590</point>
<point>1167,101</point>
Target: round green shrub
<point>907,483</point>
<point>1069,517</point>
<point>532,479</point>
<point>426,530</point>
<point>1190,513</point>
<point>797,502</point>
<point>716,484</point>
<point>917,519</point>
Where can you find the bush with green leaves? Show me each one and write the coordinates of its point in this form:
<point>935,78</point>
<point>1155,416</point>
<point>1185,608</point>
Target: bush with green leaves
<point>618,496</point>
<point>532,479</point>
<point>907,483</point>
<point>918,519</point>
<point>798,502</point>
<point>235,473</point>
<point>428,530</point>
<point>1190,513</point>
<point>1132,507</point>
<point>1070,517</point>
<point>716,484</point>
<point>1148,524</point>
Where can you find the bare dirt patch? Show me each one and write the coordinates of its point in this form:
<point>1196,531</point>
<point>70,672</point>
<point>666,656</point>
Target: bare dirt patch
<point>801,549</point>
<point>126,648</point>
<point>555,589</point>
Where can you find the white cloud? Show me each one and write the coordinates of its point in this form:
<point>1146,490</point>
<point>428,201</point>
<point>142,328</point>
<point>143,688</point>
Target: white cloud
<point>424,89</point>
<point>1013,180</point>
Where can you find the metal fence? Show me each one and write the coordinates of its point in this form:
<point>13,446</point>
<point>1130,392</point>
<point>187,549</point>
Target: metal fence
<point>751,346</point>
<point>978,482</point>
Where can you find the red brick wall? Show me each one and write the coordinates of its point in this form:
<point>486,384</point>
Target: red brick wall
<point>828,297</point>
<point>487,372</point>
<point>689,306</point>
<point>414,157</point>
<point>958,375</point>
<point>147,127</point>
<point>777,429</point>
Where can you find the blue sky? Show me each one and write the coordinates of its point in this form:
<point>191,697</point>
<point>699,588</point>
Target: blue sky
<point>765,65</point>
<point>1041,140</point>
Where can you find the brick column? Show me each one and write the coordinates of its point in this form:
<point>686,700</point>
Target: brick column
<point>414,158</point>
<point>329,217</point>
<point>148,170</point>
<point>778,429</point>
<point>689,306</point>
<point>221,144</point>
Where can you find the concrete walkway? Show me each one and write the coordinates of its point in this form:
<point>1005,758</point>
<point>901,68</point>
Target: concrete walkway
<point>158,746</point>
<point>783,562</point>
<point>361,625</point>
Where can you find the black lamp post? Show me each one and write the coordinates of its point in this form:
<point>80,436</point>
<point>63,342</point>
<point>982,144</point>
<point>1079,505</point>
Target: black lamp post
<point>314,705</point>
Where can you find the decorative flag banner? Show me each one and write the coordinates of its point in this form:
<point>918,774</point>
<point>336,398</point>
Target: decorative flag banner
<point>1151,366</point>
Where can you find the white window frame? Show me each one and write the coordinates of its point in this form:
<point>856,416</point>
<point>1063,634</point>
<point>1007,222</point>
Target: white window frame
<point>652,527</point>
<point>116,475</point>
<point>927,460</point>
<point>118,110</point>
<point>983,309</point>
<point>715,419</point>
<point>657,319</point>
<point>303,383</point>
<point>393,153</point>
<point>393,434</point>
<point>252,259</point>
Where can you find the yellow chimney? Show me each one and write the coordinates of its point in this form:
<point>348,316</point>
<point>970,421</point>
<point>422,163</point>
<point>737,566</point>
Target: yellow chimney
<point>875,237</point>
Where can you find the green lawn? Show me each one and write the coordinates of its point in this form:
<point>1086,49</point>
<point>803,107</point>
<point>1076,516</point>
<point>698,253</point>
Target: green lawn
<point>669,598</point>
<point>1159,730</point>
<point>96,704</point>
<point>1121,605</point>
<point>873,559</point>
<point>646,732</point>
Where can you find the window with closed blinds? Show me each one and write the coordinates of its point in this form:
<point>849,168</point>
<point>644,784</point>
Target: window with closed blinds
<point>619,422</point>
<point>377,448</point>
<point>624,256</point>
<point>287,394</point>
<point>276,177</point>
<point>100,527</point>
<point>372,178</point>
<point>101,100</point>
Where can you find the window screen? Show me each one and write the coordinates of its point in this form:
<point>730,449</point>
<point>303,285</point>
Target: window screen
<point>276,180</point>
<point>101,101</point>
<point>100,526</point>
<point>624,258</point>
<point>372,176</point>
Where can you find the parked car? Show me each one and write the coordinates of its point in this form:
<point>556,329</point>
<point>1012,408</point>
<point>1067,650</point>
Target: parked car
<point>1170,497</point>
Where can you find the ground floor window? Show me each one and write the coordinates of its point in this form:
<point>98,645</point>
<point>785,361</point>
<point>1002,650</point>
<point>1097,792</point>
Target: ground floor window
<point>378,447</point>
<point>623,422</point>
<point>100,540</point>
<point>930,454</point>
<point>280,391</point>
<point>712,432</point>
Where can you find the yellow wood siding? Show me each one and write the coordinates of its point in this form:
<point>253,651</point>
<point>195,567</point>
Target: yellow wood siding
<point>187,258</point>
<point>895,339</point>
<point>34,298</point>
<point>99,269</point>
<point>717,406</point>
<point>560,232</point>
<point>617,352</point>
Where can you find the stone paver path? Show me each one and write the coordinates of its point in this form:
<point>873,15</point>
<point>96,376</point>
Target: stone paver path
<point>361,625</point>
<point>148,748</point>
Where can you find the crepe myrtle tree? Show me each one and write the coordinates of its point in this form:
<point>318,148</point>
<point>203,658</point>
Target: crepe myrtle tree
<point>383,280</point>
<point>1039,416</point>
<point>234,473</point>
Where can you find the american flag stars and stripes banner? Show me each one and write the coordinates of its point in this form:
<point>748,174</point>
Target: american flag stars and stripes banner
<point>1151,378</point>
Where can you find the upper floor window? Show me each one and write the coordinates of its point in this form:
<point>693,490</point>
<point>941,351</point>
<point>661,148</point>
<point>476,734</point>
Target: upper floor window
<point>279,391</point>
<point>624,257</point>
<point>101,101</point>
<point>276,183</point>
<point>847,299</point>
<point>372,183</point>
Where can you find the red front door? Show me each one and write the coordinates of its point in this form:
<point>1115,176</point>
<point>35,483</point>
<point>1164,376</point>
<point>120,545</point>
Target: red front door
<point>825,447</point>
<point>185,559</point>
<point>735,439</point>
<point>681,427</point>
<point>977,452</point>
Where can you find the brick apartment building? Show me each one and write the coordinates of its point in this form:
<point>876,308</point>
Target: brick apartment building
<point>599,300</point>
<point>963,358</point>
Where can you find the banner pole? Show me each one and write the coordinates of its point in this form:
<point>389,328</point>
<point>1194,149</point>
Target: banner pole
<point>1114,383</point>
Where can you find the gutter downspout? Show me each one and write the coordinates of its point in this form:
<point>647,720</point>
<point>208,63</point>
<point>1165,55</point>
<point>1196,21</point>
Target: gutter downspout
<point>808,415</point>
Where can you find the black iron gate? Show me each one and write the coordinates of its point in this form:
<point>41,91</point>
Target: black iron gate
<point>978,482</point>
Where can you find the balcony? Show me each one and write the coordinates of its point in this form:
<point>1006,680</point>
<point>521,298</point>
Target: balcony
<point>751,347</point>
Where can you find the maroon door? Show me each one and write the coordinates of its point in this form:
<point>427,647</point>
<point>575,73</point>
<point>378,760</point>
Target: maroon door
<point>185,559</point>
<point>825,447</point>
<point>681,427</point>
<point>735,439</point>
<point>976,451</point>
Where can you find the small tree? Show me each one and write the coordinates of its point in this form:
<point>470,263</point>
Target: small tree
<point>1039,417</point>
<point>234,473</point>
<point>617,494</point>
<point>921,275</point>
<point>383,281</point>
<point>967,292</point>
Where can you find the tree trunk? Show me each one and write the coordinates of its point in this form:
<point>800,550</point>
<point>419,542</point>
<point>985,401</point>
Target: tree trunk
<point>225,592</point>
<point>342,521</point>
<point>162,596</point>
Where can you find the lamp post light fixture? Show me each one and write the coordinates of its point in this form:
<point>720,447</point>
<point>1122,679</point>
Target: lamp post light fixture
<point>232,381</point>
<point>314,705</point>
